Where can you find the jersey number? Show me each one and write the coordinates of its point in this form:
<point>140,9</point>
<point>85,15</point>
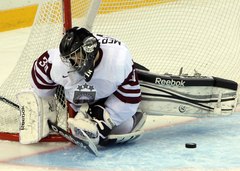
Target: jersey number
<point>43,61</point>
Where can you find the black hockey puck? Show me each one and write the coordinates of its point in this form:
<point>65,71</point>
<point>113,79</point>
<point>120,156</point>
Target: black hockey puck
<point>190,145</point>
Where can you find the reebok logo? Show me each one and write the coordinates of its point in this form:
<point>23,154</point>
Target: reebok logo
<point>172,83</point>
<point>22,125</point>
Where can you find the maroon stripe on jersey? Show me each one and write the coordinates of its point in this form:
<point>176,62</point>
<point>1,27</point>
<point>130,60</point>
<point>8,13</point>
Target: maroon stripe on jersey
<point>125,99</point>
<point>42,79</point>
<point>128,90</point>
<point>131,78</point>
<point>132,81</point>
<point>40,86</point>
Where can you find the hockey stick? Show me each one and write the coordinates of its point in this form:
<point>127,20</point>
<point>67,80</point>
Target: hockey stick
<point>88,144</point>
<point>9,102</point>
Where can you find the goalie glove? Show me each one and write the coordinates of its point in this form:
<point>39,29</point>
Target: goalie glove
<point>97,128</point>
<point>34,113</point>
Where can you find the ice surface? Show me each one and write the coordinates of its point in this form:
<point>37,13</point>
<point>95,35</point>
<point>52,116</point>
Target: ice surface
<point>217,142</point>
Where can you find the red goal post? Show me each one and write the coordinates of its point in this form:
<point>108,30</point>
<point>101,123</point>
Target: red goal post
<point>67,15</point>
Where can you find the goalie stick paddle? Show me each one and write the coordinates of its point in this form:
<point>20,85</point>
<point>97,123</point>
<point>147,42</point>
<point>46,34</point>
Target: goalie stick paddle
<point>88,144</point>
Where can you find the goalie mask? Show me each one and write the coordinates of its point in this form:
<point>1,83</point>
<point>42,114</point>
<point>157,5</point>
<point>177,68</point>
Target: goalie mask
<point>78,49</point>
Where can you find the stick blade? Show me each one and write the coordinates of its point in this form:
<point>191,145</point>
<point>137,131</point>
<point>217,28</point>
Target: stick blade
<point>86,144</point>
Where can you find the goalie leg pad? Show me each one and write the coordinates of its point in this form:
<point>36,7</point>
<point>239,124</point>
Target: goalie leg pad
<point>137,131</point>
<point>34,113</point>
<point>123,138</point>
<point>139,120</point>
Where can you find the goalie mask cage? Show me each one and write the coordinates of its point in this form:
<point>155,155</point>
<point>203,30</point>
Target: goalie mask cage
<point>163,35</point>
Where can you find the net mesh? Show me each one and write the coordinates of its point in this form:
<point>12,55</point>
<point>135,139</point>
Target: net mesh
<point>163,35</point>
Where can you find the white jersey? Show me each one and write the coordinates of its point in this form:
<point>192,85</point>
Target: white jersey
<point>114,78</point>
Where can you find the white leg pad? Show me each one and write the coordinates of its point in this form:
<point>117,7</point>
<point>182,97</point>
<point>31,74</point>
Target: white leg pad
<point>123,138</point>
<point>34,113</point>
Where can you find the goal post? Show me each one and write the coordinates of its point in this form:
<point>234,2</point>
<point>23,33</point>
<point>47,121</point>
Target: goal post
<point>67,15</point>
<point>88,19</point>
<point>166,36</point>
<point>91,14</point>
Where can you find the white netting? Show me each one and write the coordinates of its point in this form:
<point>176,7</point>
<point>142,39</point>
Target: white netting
<point>163,35</point>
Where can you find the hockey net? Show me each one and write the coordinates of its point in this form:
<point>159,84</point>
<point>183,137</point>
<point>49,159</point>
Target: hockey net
<point>163,35</point>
